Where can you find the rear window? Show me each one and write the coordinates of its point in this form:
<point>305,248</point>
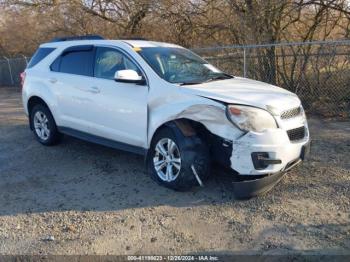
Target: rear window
<point>39,55</point>
<point>76,62</point>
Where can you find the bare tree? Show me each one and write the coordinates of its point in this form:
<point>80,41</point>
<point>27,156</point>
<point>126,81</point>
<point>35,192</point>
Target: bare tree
<point>126,15</point>
<point>186,22</point>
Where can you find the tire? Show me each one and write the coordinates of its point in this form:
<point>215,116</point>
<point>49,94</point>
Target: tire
<point>44,126</point>
<point>192,151</point>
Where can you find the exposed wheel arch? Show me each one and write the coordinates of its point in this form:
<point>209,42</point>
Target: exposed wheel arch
<point>220,149</point>
<point>194,151</point>
<point>188,128</point>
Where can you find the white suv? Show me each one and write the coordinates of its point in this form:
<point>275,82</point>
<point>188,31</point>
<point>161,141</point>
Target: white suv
<point>168,104</point>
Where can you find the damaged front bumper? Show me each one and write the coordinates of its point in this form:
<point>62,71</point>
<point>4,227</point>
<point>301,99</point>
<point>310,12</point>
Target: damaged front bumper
<point>272,146</point>
<point>253,187</point>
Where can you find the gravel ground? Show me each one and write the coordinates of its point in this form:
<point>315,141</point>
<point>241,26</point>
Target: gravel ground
<point>81,198</point>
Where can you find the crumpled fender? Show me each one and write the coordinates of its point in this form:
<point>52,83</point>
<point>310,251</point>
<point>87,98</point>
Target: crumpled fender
<point>205,111</point>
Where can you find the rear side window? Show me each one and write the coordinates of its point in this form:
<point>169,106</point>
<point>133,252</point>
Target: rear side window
<point>39,55</point>
<point>75,62</point>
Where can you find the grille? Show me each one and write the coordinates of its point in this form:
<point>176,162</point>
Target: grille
<point>296,134</point>
<point>291,113</point>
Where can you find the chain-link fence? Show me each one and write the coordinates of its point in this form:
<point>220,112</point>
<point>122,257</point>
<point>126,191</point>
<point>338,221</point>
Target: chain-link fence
<point>10,70</point>
<point>318,72</point>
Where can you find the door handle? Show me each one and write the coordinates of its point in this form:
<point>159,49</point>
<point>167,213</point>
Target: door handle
<point>53,80</point>
<point>94,89</point>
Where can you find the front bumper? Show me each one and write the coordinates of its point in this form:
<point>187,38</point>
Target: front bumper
<point>254,187</point>
<point>274,142</point>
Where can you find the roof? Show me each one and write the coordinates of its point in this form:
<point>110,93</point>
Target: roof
<point>132,43</point>
<point>143,43</point>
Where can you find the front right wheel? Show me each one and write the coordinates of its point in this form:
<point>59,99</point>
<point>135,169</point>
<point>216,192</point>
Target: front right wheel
<point>175,160</point>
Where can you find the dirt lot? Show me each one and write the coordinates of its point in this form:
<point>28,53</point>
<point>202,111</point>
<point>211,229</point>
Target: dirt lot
<point>81,198</point>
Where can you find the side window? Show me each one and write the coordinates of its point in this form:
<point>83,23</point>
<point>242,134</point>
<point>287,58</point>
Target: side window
<point>75,62</point>
<point>39,55</point>
<point>55,66</point>
<point>109,60</point>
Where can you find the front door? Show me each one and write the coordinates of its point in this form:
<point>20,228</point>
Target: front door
<point>119,110</point>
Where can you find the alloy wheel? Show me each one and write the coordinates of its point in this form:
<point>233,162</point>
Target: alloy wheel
<point>41,125</point>
<point>167,160</point>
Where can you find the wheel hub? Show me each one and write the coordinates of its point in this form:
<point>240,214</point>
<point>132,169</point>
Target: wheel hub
<point>167,160</point>
<point>41,125</point>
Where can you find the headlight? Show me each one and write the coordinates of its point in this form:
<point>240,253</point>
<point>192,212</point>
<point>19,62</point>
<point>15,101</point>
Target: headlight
<point>250,118</point>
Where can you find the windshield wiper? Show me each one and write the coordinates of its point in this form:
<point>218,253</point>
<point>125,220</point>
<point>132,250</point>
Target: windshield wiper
<point>214,78</point>
<point>220,77</point>
<point>190,83</point>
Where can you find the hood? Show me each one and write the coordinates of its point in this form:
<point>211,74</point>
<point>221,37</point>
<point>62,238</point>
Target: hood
<point>245,91</point>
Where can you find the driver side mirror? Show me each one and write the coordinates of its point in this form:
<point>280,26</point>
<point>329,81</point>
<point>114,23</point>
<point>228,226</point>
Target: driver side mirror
<point>129,76</point>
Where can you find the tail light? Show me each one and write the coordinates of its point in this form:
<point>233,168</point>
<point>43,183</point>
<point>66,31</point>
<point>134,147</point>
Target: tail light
<point>23,77</point>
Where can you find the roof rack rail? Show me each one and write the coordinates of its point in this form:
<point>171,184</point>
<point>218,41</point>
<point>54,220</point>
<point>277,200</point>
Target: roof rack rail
<point>79,37</point>
<point>133,38</point>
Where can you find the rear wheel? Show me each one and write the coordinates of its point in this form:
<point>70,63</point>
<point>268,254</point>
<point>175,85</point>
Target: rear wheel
<point>172,156</point>
<point>44,126</point>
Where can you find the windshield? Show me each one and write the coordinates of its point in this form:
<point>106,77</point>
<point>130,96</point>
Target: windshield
<point>179,65</point>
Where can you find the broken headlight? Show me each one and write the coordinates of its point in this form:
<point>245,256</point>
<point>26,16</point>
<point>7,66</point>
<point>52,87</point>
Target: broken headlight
<point>250,118</point>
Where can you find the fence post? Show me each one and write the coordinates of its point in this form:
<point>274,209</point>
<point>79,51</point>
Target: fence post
<point>244,63</point>
<point>25,59</point>
<point>8,62</point>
